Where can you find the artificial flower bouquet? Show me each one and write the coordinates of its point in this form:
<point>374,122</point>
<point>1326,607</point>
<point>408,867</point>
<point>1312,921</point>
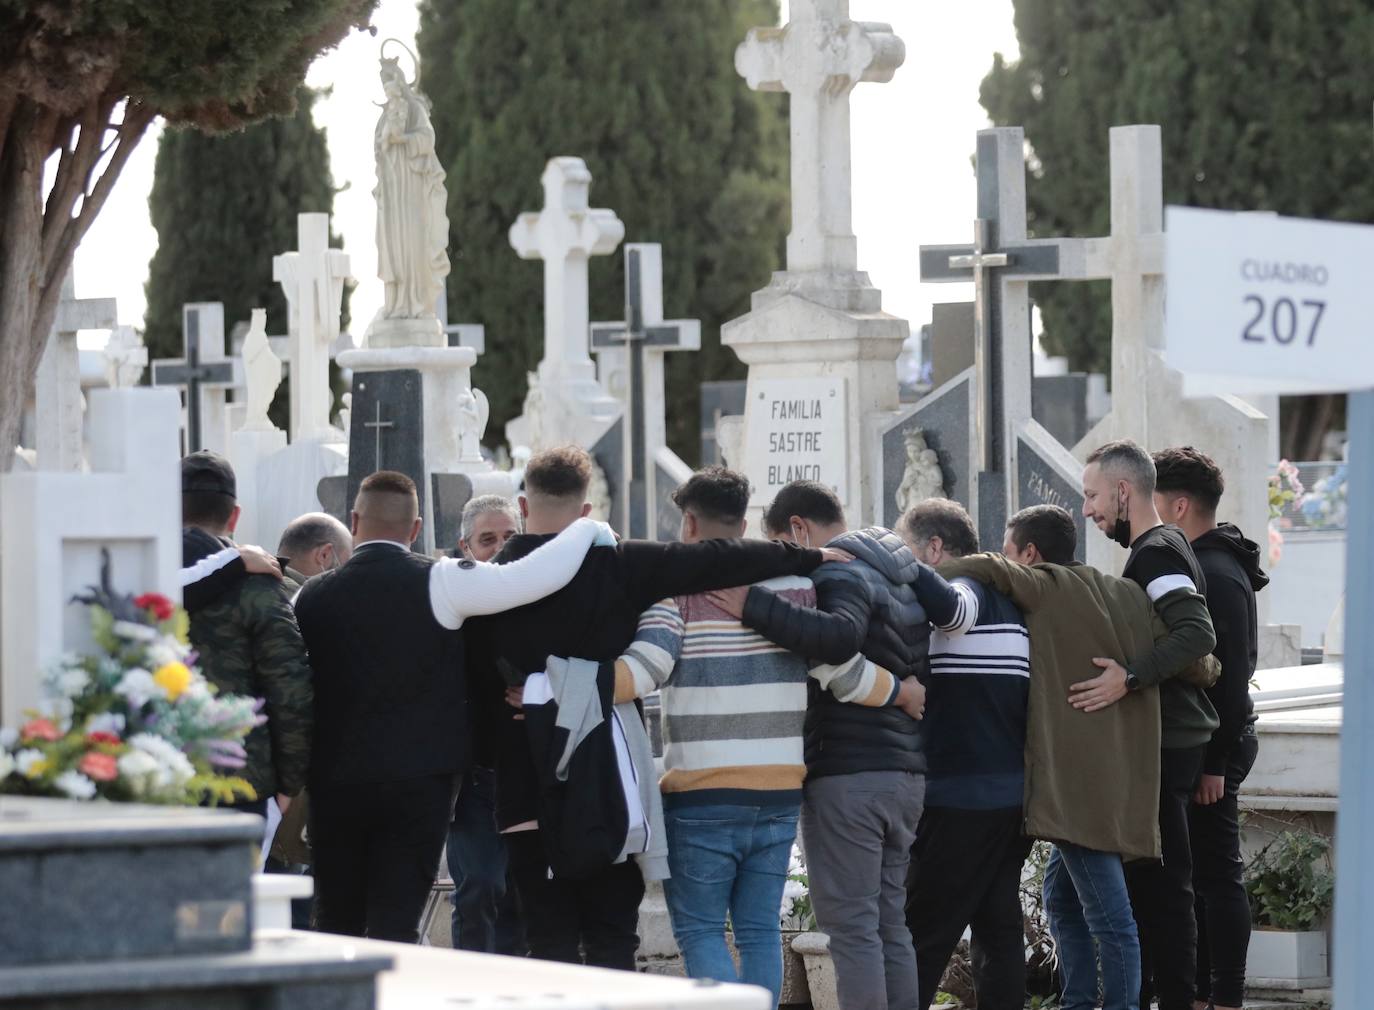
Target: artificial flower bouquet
<point>134,721</point>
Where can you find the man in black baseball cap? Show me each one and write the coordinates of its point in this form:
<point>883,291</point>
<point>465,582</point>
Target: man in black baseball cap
<point>206,472</point>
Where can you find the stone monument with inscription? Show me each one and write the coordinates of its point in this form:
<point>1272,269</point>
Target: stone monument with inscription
<point>819,347</point>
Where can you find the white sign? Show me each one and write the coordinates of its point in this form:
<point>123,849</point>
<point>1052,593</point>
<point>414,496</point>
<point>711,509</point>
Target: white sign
<point>795,430</point>
<point>1262,303</point>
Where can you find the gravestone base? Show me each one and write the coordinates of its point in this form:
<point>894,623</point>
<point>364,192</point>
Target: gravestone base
<point>388,333</point>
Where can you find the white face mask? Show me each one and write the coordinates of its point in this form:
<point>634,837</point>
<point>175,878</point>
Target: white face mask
<point>802,535</point>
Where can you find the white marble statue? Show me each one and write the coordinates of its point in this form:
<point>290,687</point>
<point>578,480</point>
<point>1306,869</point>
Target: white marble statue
<point>262,372</point>
<point>125,358</point>
<point>922,478</point>
<point>412,223</point>
<point>346,412</point>
<point>532,411</point>
<point>599,494</point>
<point>472,412</point>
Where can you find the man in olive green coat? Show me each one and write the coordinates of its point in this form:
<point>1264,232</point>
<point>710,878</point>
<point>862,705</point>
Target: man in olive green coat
<point>248,643</point>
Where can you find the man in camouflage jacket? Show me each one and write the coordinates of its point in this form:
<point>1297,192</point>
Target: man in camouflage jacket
<point>247,639</point>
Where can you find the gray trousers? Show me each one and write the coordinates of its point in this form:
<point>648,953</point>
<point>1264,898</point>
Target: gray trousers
<point>857,831</point>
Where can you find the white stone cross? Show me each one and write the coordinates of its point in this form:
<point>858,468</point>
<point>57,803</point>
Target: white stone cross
<point>313,280</point>
<point>817,58</point>
<point>57,389</point>
<point>564,234</point>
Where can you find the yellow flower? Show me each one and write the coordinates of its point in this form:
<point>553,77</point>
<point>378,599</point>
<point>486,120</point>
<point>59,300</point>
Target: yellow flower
<point>173,678</point>
<point>37,768</point>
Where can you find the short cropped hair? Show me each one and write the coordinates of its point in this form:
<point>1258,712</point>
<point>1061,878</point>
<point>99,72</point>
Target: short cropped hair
<point>806,498</point>
<point>943,518</point>
<point>1124,458</point>
<point>715,494</point>
<point>1050,528</point>
<point>314,529</point>
<point>1184,470</point>
<point>206,508</point>
<point>485,504</point>
<point>564,472</point>
<point>389,482</point>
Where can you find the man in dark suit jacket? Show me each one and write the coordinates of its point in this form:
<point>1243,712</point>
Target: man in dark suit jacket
<point>594,617</point>
<point>391,704</point>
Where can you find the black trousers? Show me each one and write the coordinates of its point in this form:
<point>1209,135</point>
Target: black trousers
<point>966,873</point>
<point>595,920</point>
<point>1162,892</point>
<point>1222,906</point>
<point>376,848</point>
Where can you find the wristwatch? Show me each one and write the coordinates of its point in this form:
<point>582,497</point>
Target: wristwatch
<point>1132,681</point>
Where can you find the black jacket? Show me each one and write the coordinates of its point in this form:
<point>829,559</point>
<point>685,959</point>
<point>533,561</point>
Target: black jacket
<point>594,617</point>
<point>390,690</point>
<point>876,605</point>
<point>1231,565</point>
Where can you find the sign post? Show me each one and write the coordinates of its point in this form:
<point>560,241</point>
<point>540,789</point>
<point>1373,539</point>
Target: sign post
<point>1261,303</point>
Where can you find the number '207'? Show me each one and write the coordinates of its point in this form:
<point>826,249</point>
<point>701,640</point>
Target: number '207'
<point>1284,321</point>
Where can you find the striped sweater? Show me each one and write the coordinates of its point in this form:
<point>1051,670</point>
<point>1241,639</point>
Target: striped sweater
<point>733,702</point>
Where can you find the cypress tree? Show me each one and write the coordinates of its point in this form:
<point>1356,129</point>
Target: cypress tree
<point>1262,104</point>
<point>223,206</point>
<point>646,93</point>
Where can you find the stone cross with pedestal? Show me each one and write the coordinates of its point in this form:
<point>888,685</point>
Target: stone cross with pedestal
<point>56,525</point>
<point>820,350</point>
<point>565,402</point>
<point>649,469</point>
<point>205,373</point>
<point>57,387</point>
<point>312,278</point>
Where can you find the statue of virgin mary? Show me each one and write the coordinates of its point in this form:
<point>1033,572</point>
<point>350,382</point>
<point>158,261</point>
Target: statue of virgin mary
<point>412,221</point>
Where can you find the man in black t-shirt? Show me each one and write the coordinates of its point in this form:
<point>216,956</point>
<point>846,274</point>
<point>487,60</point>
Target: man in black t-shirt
<point>1118,487</point>
<point>1188,488</point>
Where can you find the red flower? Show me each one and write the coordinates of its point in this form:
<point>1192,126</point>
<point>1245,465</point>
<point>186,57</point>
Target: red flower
<point>39,729</point>
<point>162,608</point>
<point>100,736</point>
<point>98,767</point>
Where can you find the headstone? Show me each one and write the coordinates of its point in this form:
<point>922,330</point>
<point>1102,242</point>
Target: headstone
<point>565,403</point>
<point>388,429</point>
<point>472,335</point>
<point>651,470</point>
<point>57,387</point>
<point>801,438</point>
<point>56,525</point>
<point>146,908</point>
<point>820,320</point>
<point>951,340</point>
<point>313,281</point>
<point>718,400</point>
<point>450,493</point>
<point>203,374</point>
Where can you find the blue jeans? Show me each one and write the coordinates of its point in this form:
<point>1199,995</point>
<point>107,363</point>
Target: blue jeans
<point>1085,900</point>
<point>485,915</point>
<point>729,858</point>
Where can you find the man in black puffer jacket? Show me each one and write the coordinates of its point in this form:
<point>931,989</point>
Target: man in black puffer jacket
<point>865,768</point>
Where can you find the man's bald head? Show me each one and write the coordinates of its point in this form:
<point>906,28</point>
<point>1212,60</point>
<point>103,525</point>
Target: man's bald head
<point>387,508</point>
<point>315,542</point>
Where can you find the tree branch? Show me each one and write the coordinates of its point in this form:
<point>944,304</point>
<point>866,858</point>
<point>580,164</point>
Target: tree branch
<point>131,130</point>
<point>74,171</point>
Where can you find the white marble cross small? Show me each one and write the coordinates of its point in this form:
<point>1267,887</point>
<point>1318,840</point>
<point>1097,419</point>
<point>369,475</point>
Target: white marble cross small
<point>817,58</point>
<point>313,280</point>
<point>564,234</point>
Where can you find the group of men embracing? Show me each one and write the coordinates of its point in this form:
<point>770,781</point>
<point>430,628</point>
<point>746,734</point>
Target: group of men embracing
<point>919,712</point>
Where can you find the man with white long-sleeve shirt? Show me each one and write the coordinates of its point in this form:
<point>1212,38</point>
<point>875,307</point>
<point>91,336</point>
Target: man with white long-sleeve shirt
<point>383,633</point>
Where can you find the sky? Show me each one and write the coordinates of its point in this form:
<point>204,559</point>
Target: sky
<point>912,140</point>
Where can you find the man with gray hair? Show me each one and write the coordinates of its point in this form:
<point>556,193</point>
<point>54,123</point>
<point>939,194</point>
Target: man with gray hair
<point>486,916</point>
<point>489,520</point>
<point>313,543</point>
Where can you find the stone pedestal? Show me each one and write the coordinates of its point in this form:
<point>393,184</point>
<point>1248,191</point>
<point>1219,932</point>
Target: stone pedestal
<point>247,450</point>
<point>146,908</point>
<point>427,332</point>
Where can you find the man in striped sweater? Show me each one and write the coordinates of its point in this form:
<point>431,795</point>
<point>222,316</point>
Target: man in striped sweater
<point>734,705</point>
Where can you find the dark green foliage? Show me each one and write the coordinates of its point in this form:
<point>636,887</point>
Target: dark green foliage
<point>1290,882</point>
<point>1263,105</point>
<point>223,206</point>
<point>646,93</point>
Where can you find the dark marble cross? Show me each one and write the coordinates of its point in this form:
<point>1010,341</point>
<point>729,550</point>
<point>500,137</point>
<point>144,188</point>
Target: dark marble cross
<point>193,374</point>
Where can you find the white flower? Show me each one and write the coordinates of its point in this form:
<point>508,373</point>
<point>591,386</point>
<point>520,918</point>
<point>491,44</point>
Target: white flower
<point>198,691</point>
<point>6,765</point>
<point>26,759</point>
<point>138,687</point>
<point>137,768</point>
<point>164,651</point>
<point>71,681</point>
<point>8,738</point>
<point>75,785</point>
<point>172,769</point>
<point>106,722</point>
<point>135,632</point>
